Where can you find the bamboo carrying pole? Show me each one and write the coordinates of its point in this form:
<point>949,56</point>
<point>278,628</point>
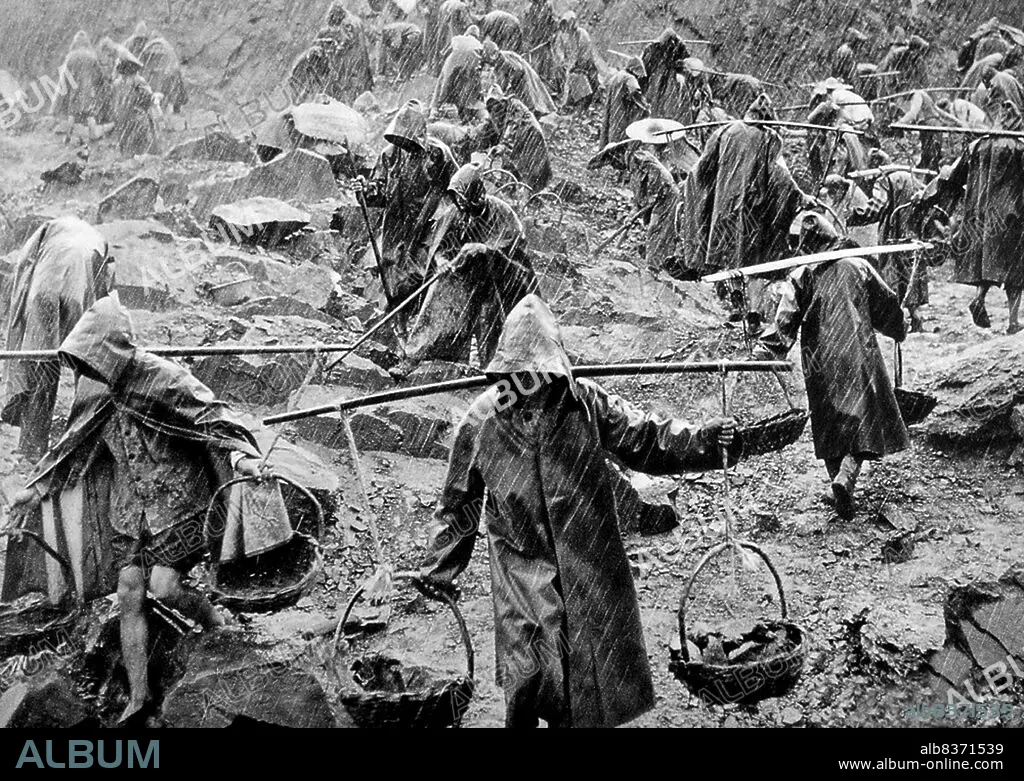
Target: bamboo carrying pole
<point>968,131</point>
<point>908,93</point>
<point>194,351</point>
<point>482,381</point>
<point>870,173</point>
<point>765,122</point>
<point>810,260</point>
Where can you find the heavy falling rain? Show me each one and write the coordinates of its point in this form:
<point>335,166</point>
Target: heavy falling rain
<point>482,363</point>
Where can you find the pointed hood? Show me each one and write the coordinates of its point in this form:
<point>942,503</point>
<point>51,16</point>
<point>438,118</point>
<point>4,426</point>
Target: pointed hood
<point>466,187</point>
<point>81,41</point>
<point>635,67</point>
<point>102,345</point>
<point>408,130</point>
<point>531,342</point>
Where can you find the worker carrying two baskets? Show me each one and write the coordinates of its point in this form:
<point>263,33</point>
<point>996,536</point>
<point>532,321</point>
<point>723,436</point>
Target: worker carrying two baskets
<point>124,493</point>
<point>836,307</point>
<point>569,639</point>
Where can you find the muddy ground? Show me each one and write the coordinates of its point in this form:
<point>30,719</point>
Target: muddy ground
<point>870,623</point>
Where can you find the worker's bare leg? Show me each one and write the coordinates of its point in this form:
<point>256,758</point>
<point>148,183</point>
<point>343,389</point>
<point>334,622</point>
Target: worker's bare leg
<point>131,595</point>
<point>165,583</point>
<point>1013,300</point>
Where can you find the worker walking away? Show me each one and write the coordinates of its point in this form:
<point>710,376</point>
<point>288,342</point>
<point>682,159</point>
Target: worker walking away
<point>836,307</point>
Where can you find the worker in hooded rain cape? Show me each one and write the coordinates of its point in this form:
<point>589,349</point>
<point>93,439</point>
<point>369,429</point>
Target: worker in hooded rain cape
<point>894,195</point>
<point>86,85</point>
<point>61,271</point>
<point>517,138</point>
<point>989,243</point>
<point>846,58</point>
<point>836,307</point>
<point>624,101</point>
<point>739,203</point>
<point>484,240</point>
<point>409,182</point>
<point>528,464</point>
<point>663,62</point>
<point>162,70</point>
<point>517,79</point>
<point>124,494</point>
<point>539,27</point>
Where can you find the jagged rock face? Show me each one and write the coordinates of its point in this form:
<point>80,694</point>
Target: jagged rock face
<point>977,392</point>
<point>983,656</point>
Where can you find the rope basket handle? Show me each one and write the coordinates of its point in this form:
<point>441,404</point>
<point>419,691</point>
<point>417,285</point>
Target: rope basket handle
<point>250,479</point>
<point>65,565</point>
<point>467,641</point>
<point>703,563</point>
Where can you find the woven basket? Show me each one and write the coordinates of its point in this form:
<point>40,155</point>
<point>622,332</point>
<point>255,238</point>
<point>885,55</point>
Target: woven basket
<point>914,405</point>
<point>773,434</point>
<point>427,700</point>
<point>741,683</point>
<point>23,628</point>
<point>302,549</point>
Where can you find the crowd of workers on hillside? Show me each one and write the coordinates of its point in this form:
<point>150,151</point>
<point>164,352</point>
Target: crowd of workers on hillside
<point>709,158</point>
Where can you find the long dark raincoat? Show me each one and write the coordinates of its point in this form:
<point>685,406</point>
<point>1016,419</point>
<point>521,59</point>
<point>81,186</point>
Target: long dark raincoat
<point>162,70</point>
<point>518,79</point>
<point>569,639</point>
<point>473,300</point>
<point>79,475</point>
<point>526,149</point>
<point>410,186</point>
<point>460,84</point>
<point>83,100</point>
<point>504,29</point>
<point>134,127</point>
<point>889,207</point>
<point>740,200</point>
<point>61,271</point>
<point>836,308</point>
<point>662,59</point>
<point>653,187</point>
<point>624,102</point>
<point>539,26</point>
<point>989,245</point>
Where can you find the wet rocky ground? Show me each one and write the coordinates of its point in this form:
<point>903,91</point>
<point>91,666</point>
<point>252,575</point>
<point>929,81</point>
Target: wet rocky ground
<point>912,598</point>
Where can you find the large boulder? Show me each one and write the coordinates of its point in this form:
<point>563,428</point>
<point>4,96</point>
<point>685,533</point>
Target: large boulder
<point>977,391</point>
<point>299,176</point>
<point>216,145</point>
<point>133,200</point>
<point>45,701</point>
<point>984,649</point>
<point>259,220</point>
<point>421,428</point>
<point>232,680</point>
<point>155,269</point>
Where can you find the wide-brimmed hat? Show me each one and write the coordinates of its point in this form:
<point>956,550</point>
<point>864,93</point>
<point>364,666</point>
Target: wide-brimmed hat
<point>653,130</point>
<point>832,83</point>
